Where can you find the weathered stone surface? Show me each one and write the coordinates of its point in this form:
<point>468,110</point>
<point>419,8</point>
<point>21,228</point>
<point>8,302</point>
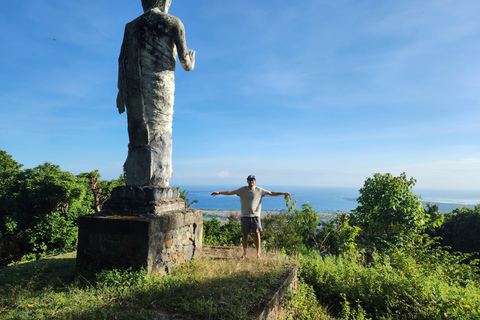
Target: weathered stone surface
<point>144,193</point>
<point>146,223</point>
<point>129,200</point>
<point>146,87</point>
<point>133,241</point>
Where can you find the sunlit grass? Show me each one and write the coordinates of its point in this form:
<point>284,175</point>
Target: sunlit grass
<point>203,289</point>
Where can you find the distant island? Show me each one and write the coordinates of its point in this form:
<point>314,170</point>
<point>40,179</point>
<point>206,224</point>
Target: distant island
<point>442,206</point>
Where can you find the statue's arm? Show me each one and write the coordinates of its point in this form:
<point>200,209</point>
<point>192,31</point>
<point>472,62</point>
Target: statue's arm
<point>121,80</point>
<point>120,100</point>
<point>186,56</point>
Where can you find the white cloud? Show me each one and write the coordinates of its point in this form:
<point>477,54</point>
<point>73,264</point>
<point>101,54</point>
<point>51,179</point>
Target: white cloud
<point>223,174</point>
<point>447,174</point>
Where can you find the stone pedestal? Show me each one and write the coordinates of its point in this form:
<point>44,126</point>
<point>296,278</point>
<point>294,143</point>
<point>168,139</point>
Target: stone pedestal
<point>141,227</point>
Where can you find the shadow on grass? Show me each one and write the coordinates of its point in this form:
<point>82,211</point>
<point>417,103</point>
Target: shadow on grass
<point>204,289</point>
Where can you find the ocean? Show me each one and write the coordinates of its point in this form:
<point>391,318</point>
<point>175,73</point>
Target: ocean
<point>321,198</point>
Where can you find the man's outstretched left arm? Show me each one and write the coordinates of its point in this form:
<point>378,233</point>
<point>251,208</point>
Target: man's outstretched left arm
<point>274,193</point>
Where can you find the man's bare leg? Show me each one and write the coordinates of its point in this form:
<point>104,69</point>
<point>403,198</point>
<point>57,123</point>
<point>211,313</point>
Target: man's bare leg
<point>245,245</point>
<point>257,243</point>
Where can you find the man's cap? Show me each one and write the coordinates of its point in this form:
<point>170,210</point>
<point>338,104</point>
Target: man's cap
<point>251,177</point>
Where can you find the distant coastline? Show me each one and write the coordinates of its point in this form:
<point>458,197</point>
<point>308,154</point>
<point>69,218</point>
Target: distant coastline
<point>322,199</point>
<point>223,215</point>
<point>443,207</point>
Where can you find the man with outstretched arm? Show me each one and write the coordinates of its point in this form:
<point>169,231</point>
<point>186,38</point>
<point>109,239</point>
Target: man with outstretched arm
<point>251,200</point>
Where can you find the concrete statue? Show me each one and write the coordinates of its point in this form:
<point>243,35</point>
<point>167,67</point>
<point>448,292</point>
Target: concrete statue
<point>146,223</point>
<point>146,86</point>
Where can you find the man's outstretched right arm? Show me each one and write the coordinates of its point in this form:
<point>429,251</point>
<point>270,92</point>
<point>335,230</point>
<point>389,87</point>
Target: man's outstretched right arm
<point>226,193</point>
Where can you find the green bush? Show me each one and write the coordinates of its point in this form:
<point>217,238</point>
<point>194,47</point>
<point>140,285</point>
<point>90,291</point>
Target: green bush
<point>39,208</point>
<point>216,234</point>
<point>337,236</point>
<point>292,231</point>
<point>459,231</point>
<point>401,289</point>
<point>279,233</point>
<point>302,304</point>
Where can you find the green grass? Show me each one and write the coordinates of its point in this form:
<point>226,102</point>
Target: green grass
<point>342,287</point>
<point>203,289</point>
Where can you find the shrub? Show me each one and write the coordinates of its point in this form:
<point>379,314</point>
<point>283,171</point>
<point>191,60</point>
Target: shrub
<point>459,231</point>
<point>302,304</point>
<point>216,234</point>
<point>337,235</point>
<point>292,231</point>
<point>397,289</point>
<point>279,233</point>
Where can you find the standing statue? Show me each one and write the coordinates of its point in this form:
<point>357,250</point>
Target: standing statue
<point>146,86</point>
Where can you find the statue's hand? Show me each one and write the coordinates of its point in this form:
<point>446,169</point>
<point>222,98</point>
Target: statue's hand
<point>191,56</point>
<point>120,103</point>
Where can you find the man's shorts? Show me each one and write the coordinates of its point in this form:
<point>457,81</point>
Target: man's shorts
<point>251,224</point>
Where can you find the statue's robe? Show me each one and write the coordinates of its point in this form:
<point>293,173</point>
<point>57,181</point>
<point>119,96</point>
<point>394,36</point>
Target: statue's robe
<point>146,87</point>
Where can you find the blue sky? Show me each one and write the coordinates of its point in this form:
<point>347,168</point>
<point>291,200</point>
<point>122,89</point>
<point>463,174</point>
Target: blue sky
<point>319,93</point>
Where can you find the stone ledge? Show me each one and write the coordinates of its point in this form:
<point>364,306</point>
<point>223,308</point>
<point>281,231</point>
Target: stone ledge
<point>134,207</point>
<point>128,200</point>
<point>272,307</point>
<point>144,194</point>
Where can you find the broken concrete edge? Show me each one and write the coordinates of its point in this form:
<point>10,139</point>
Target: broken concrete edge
<point>272,308</point>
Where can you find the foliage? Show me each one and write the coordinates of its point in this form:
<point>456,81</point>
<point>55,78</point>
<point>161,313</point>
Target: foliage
<point>402,289</point>
<point>389,214</point>
<point>306,222</point>
<point>460,230</point>
<point>183,195</point>
<point>39,208</point>
<point>216,234</point>
<point>9,169</point>
<point>302,304</point>
<point>293,231</point>
<point>279,233</point>
<point>338,235</point>
<point>98,191</point>
<point>348,314</point>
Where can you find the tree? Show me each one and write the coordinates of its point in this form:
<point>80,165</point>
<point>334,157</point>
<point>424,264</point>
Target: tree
<point>389,213</point>
<point>460,230</point>
<point>99,190</point>
<point>40,209</point>
<point>9,168</point>
<point>306,223</point>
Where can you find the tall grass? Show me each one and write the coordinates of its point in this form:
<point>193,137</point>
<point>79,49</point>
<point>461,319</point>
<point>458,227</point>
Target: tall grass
<point>203,289</point>
<point>386,291</point>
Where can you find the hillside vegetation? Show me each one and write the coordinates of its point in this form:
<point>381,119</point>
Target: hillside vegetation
<point>390,258</point>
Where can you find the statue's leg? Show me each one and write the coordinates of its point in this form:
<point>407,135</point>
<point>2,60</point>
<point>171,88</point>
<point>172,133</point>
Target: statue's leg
<point>137,166</point>
<point>159,112</point>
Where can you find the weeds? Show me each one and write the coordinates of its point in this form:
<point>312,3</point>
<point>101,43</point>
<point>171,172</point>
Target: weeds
<point>385,291</point>
<point>203,289</point>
